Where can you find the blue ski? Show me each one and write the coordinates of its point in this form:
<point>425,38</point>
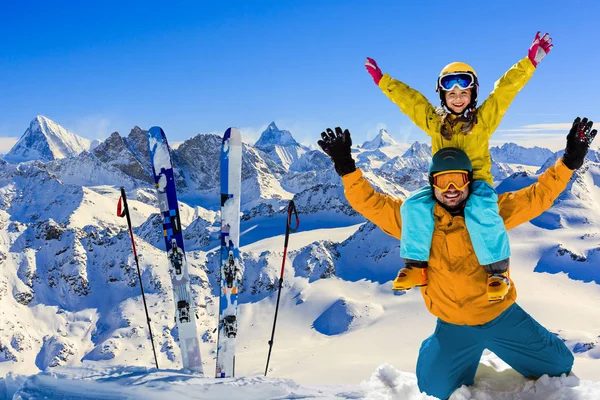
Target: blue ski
<point>160,157</point>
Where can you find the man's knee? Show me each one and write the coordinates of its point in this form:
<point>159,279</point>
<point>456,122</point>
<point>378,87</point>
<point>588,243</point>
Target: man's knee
<point>564,360</point>
<point>436,385</point>
<point>437,375</point>
<point>559,360</point>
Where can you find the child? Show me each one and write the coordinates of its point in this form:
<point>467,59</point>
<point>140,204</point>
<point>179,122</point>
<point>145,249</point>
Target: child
<point>460,123</point>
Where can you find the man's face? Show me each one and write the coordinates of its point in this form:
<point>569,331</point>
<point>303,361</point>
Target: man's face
<point>451,198</point>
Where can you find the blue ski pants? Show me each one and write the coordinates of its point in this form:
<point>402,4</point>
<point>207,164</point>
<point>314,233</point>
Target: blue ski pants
<point>486,227</point>
<point>449,358</point>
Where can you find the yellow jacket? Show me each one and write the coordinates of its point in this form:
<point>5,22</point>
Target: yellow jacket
<point>456,292</point>
<point>489,115</point>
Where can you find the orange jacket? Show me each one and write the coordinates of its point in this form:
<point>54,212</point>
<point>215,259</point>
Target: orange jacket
<point>456,292</point>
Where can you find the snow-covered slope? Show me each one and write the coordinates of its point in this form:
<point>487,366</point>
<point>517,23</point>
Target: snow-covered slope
<point>385,383</point>
<point>45,140</point>
<point>70,301</point>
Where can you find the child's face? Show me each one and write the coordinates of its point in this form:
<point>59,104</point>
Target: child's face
<point>458,99</point>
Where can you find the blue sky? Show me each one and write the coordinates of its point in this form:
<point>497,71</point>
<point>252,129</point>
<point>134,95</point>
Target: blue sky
<point>198,67</point>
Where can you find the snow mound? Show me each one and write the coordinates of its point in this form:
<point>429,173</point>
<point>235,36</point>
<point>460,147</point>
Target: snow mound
<point>583,267</point>
<point>386,383</point>
<point>345,315</point>
<point>389,383</point>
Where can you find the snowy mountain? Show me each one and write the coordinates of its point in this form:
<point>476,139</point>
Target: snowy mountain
<point>196,163</point>
<point>129,155</point>
<point>45,140</point>
<point>382,148</point>
<point>273,136</point>
<point>310,161</point>
<point>71,309</point>
<point>280,145</point>
<point>515,154</point>
<point>410,169</point>
<point>382,139</point>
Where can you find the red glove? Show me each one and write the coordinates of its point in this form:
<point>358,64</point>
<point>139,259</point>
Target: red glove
<point>539,48</point>
<point>373,70</point>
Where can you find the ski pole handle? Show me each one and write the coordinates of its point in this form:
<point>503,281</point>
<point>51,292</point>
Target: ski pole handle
<point>291,210</point>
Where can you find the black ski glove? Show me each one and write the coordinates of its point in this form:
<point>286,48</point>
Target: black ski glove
<point>337,146</point>
<point>578,141</point>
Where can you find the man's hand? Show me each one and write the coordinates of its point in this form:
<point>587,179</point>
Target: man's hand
<point>373,70</point>
<point>337,145</point>
<point>539,48</point>
<point>579,139</point>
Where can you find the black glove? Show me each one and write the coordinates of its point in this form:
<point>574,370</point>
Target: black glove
<point>337,146</point>
<point>578,141</point>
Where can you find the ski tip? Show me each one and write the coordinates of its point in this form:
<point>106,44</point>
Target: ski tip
<point>233,135</point>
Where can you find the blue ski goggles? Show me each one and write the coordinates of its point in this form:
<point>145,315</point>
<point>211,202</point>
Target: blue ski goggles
<point>464,80</point>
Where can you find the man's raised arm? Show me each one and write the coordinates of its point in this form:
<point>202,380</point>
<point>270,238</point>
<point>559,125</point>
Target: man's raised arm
<point>526,204</point>
<point>381,209</point>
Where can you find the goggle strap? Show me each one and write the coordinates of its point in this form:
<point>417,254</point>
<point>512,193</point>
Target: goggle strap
<point>460,171</point>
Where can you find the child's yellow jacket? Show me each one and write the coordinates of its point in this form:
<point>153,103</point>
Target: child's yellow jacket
<point>456,292</point>
<point>489,114</point>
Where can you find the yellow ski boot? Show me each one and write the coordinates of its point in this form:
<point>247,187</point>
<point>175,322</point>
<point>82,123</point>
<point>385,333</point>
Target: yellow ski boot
<point>410,276</point>
<point>497,286</point>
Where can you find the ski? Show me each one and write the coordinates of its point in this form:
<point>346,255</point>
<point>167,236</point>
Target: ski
<point>162,167</point>
<point>230,278</point>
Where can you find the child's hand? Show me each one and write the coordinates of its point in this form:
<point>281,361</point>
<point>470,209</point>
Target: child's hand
<point>373,70</point>
<point>539,48</point>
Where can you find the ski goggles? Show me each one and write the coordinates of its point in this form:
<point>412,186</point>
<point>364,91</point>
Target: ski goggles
<point>464,80</point>
<point>443,180</point>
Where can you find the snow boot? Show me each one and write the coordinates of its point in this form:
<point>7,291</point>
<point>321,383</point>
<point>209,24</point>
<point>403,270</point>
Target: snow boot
<point>497,286</point>
<point>413,274</point>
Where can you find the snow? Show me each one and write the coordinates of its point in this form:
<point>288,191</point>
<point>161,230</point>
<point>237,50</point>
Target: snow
<point>382,139</point>
<point>385,144</point>
<point>162,158</point>
<point>71,320</point>
<point>46,140</point>
<point>275,136</point>
<point>385,383</point>
<point>300,239</point>
<point>513,153</point>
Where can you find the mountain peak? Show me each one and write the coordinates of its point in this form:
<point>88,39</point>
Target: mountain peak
<point>383,139</point>
<point>45,140</point>
<point>275,136</point>
<point>514,153</point>
<point>418,150</point>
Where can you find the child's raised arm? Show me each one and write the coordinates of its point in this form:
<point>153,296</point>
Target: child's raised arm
<point>506,88</point>
<point>411,102</point>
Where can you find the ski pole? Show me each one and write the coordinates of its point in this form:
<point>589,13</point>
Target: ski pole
<point>125,213</point>
<point>288,228</point>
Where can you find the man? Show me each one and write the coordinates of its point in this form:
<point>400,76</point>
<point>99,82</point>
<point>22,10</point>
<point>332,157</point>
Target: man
<point>455,290</point>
